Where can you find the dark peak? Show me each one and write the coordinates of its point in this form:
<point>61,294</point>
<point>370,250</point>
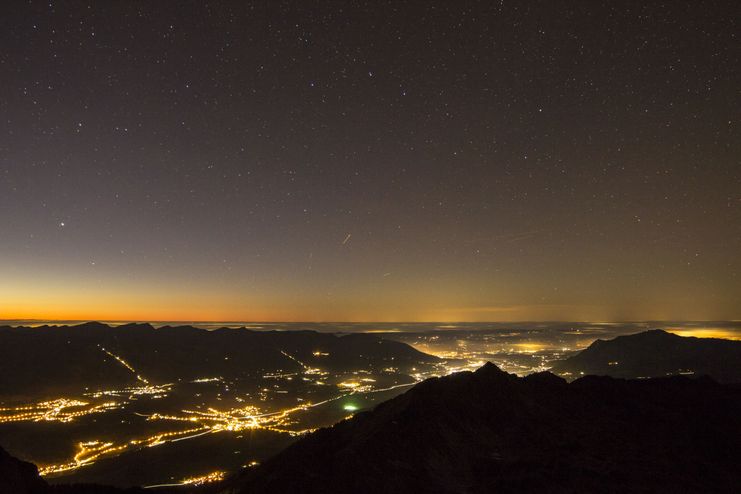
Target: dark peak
<point>657,333</point>
<point>650,335</point>
<point>597,343</point>
<point>490,370</point>
<point>489,367</point>
<point>135,325</point>
<point>545,377</point>
<point>656,353</point>
<point>92,325</point>
<point>488,377</point>
<point>98,326</point>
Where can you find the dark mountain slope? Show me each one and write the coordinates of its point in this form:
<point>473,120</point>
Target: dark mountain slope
<point>655,354</point>
<point>19,477</point>
<point>70,357</point>
<point>490,431</point>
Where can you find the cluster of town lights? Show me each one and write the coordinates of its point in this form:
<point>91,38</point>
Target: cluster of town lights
<point>59,410</point>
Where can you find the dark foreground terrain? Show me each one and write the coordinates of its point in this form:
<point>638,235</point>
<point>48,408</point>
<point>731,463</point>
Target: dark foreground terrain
<point>490,431</point>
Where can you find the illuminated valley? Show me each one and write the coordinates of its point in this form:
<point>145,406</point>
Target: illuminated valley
<point>236,418</point>
<point>281,403</point>
<point>71,436</point>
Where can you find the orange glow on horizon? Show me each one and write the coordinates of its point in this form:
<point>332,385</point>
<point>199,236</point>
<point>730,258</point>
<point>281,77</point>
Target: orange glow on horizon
<point>50,299</point>
<point>706,333</point>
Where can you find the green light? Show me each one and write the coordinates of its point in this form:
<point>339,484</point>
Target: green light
<point>350,407</point>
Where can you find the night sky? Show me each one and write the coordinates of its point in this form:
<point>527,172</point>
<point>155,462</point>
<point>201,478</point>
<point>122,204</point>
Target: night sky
<point>370,161</point>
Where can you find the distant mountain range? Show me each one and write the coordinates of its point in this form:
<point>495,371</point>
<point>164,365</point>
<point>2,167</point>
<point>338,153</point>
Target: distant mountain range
<point>490,431</point>
<point>94,355</point>
<point>656,353</point>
